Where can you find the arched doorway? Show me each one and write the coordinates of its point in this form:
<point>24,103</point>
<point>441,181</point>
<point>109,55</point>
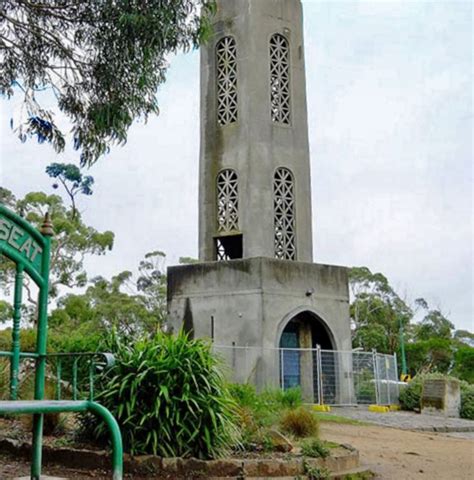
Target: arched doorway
<point>301,364</point>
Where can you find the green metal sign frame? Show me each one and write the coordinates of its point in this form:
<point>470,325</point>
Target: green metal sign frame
<point>30,249</point>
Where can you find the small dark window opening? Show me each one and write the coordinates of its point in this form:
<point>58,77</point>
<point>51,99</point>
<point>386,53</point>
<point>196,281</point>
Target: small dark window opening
<point>229,247</point>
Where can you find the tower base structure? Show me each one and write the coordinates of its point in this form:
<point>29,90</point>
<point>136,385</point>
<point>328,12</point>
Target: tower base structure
<point>270,319</point>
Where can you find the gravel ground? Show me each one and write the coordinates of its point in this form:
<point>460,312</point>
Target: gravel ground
<point>406,455</point>
<point>409,421</point>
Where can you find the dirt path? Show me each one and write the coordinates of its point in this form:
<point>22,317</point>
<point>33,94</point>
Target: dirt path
<point>400,454</point>
<point>391,453</point>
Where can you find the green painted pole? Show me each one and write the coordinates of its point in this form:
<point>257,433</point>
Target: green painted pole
<point>15,358</point>
<point>115,436</point>
<point>402,351</point>
<point>41,345</point>
<point>45,406</point>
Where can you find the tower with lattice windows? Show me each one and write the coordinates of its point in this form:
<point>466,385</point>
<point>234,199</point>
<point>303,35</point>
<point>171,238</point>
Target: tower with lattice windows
<point>255,191</point>
<point>255,284</point>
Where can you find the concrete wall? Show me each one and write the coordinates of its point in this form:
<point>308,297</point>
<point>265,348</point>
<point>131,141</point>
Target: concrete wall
<point>251,301</point>
<point>255,146</point>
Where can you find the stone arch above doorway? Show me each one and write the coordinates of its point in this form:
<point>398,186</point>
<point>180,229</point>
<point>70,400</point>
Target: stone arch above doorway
<point>300,337</point>
<point>321,332</point>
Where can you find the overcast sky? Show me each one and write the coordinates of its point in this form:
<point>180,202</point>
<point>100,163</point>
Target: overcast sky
<point>390,118</point>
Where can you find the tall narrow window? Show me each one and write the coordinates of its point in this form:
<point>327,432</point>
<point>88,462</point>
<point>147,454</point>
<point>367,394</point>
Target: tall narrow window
<point>280,79</point>
<point>227,201</point>
<point>228,242</point>
<point>284,214</point>
<point>226,60</point>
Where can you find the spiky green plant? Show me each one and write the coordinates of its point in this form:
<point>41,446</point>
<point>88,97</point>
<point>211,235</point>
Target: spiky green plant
<point>170,398</point>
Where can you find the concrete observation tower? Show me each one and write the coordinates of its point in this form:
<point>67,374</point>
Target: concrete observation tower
<point>256,289</point>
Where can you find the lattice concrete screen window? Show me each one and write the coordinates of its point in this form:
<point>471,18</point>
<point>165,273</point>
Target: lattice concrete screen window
<point>226,61</point>
<point>280,79</point>
<point>227,201</point>
<point>284,214</point>
<point>229,240</point>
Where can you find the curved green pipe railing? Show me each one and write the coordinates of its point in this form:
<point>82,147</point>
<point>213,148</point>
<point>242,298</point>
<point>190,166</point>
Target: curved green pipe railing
<point>64,406</point>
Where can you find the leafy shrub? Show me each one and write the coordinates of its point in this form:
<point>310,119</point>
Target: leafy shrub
<point>255,413</point>
<point>300,422</point>
<point>410,396</point>
<point>464,363</point>
<point>314,448</point>
<point>467,401</point>
<point>169,396</point>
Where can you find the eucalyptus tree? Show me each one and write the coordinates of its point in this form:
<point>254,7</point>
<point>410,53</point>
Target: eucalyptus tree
<point>102,60</point>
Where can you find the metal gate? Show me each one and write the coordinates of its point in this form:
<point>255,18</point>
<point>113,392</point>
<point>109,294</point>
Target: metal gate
<point>330,377</point>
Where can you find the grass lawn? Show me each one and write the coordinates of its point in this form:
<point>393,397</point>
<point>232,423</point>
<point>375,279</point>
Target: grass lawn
<point>331,418</point>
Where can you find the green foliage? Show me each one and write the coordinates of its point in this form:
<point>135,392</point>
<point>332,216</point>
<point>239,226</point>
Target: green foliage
<point>74,340</point>
<point>434,325</point>
<point>377,311</point>
<point>72,179</point>
<point>464,363</point>
<point>6,311</point>
<point>256,413</point>
<point>131,307</point>
<point>410,396</point>
<point>331,418</point>
<point>169,396</point>
<point>72,242</point>
<point>104,62</point>
<point>432,355</point>
<point>314,448</point>
<point>300,422</point>
<point>316,473</point>
<point>152,283</point>
<point>266,406</point>
<point>290,398</point>
<point>467,401</point>
<point>379,315</point>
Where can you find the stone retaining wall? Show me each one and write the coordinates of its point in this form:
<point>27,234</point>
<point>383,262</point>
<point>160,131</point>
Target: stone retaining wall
<point>342,459</point>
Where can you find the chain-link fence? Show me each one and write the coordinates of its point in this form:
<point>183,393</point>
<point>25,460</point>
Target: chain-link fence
<point>329,377</point>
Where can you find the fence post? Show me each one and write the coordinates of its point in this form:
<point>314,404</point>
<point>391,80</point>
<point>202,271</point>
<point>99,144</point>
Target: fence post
<point>387,365</point>
<point>395,363</point>
<point>246,362</point>
<point>376,376</point>
<point>319,375</point>
<point>282,373</point>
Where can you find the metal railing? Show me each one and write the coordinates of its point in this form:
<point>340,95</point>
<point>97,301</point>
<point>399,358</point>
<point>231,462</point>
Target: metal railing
<point>69,376</point>
<point>330,377</point>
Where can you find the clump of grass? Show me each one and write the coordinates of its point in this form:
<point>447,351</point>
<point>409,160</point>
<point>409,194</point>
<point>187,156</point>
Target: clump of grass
<point>316,473</point>
<point>314,448</point>
<point>300,422</point>
<point>291,398</point>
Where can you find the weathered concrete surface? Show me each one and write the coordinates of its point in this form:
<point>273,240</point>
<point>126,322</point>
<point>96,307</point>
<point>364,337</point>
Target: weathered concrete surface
<point>249,302</point>
<point>441,397</point>
<point>255,146</point>
<point>407,420</point>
